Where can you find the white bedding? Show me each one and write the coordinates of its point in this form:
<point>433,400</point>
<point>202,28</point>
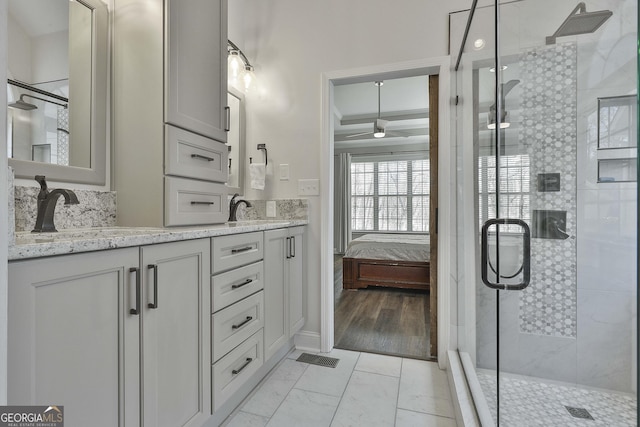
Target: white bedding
<point>396,247</point>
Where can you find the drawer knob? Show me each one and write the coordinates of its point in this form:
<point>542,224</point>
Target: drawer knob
<point>201,157</point>
<point>241,324</point>
<point>245,283</point>
<point>246,363</point>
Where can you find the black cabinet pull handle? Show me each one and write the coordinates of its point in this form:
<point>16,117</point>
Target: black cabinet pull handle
<point>246,363</point>
<point>136,310</point>
<point>245,283</point>
<point>198,156</point>
<point>287,249</point>
<point>202,203</point>
<point>154,304</point>
<point>241,324</point>
<point>237,251</point>
<point>293,246</point>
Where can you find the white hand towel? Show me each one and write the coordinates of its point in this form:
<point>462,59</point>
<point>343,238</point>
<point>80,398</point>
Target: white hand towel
<point>257,171</point>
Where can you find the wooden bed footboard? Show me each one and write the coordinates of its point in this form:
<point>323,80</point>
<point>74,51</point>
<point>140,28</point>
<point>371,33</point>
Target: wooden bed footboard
<point>359,273</point>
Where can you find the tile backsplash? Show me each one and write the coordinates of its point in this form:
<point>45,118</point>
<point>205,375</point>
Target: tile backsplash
<point>286,209</point>
<point>96,209</point>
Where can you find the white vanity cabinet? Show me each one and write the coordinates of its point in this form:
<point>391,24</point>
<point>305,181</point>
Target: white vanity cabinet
<point>71,338</point>
<point>175,333</point>
<point>237,312</point>
<point>169,117</point>
<point>108,333</point>
<point>196,80</point>
<point>284,290</point>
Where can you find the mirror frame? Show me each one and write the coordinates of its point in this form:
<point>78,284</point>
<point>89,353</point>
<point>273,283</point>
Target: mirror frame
<point>241,142</point>
<point>99,59</point>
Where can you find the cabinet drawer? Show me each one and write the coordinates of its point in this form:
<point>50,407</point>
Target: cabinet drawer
<point>194,156</point>
<point>233,370</point>
<point>235,324</point>
<point>230,287</point>
<point>191,202</point>
<point>235,250</point>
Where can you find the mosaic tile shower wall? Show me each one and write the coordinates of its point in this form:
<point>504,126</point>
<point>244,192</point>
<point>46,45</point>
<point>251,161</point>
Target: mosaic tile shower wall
<point>63,137</point>
<point>549,116</point>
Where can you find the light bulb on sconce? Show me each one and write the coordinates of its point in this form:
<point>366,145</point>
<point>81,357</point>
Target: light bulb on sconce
<point>235,65</point>
<point>240,71</point>
<point>248,79</point>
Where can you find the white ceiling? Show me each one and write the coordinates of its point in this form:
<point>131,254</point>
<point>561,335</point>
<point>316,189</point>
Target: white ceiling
<point>403,101</point>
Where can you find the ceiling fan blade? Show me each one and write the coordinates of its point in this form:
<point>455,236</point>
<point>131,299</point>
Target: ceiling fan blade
<point>398,133</point>
<point>358,134</point>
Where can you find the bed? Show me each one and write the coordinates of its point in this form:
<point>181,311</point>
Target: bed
<point>387,260</point>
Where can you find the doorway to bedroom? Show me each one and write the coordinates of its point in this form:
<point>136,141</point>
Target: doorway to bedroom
<point>385,214</point>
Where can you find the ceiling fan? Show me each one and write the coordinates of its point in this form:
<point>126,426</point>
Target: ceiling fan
<point>379,125</point>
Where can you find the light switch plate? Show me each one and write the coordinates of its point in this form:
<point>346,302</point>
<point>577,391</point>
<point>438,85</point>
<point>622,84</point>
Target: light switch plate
<point>308,187</point>
<point>284,172</point>
<point>271,208</point>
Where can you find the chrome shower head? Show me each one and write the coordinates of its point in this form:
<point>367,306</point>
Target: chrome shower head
<point>580,21</point>
<point>21,104</point>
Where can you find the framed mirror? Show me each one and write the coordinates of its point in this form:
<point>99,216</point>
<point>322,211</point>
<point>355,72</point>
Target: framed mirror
<point>236,141</point>
<point>57,89</point>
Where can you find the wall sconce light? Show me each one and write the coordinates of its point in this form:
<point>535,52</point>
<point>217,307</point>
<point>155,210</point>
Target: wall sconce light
<point>240,71</point>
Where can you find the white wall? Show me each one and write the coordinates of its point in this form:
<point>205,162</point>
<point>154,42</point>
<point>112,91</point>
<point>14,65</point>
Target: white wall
<point>291,43</point>
<point>20,55</point>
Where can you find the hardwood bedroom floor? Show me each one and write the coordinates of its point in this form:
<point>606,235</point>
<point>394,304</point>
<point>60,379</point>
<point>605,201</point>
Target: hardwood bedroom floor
<point>385,321</point>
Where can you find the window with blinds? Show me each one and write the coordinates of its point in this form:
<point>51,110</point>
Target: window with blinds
<point>390,195</point>
<point>514,188</point>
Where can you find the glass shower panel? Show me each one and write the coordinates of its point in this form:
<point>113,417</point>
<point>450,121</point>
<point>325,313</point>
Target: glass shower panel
<point>549,129</point>
<point>574,324</point>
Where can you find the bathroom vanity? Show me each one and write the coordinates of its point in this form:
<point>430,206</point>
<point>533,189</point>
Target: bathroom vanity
<point>152,326</point>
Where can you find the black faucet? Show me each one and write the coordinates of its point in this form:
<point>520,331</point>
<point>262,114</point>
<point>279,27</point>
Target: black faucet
<point>233,207</point>
<point>47,204</point>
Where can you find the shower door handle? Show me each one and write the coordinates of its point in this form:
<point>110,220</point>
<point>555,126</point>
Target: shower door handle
<point>526,255</point>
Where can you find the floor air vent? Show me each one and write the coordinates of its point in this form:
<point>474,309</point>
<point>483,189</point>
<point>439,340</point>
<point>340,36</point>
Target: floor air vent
<point>313,359</point>
<point>579,413</point>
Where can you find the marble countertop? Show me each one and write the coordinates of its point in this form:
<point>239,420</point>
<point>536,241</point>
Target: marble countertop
<point>36,245</point>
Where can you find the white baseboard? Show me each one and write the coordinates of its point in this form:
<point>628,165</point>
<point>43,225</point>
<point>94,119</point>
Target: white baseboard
<point>307,341</point>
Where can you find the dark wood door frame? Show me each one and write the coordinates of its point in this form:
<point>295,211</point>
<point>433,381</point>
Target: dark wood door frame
<point>433,212</point>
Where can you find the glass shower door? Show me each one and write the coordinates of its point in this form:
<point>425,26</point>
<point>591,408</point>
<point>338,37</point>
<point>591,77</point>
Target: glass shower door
<point>555,152</point>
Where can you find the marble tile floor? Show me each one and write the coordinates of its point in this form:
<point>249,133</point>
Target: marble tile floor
<point>528,402</point>
<point>363,390</point>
